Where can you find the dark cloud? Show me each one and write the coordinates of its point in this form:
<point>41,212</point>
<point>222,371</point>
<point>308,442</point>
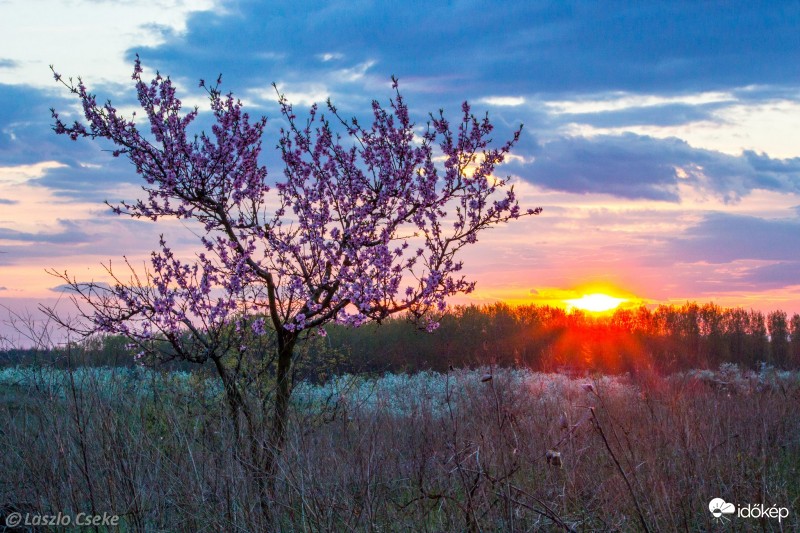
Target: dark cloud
<point>764,164</point>
<point>445,53</point>
<point>760,93</point>
<point>775,276</point>
<point>640,167</point>
<point>448,52</point>
<point>538,47</point>
<point>8,63</point>
<point>724,238</point>
<point>6,201</point>
<point>94,182</point>
<point>71,233</point>
<point>105,237</point>
<point>26,135</point>
<point>619,165</point>
<point>654,115</point>
<point>82,284</point>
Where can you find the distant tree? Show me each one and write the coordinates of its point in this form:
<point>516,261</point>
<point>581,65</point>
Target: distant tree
<point>669,330</point>
<point>758,340</point>
<point>366,222</point>
<point>689,324</point>
<point>794,333</point>
<point>711,327</point>
<point>779,338</point>
<point>736,324</point>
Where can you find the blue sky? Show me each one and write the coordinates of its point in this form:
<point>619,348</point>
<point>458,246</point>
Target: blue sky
<point>660,137</point>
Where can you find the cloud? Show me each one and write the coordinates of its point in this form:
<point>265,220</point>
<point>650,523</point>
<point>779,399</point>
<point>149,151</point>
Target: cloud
<point>330,56</point>
<point>503,101</point>
<point>569,49</point>
<point>641,167</point>
<point>654,115</point>
<point>725,238</point>
<point>25,134</point>
<point>8,63</point>
<point>6,201</point>
<point>83,285</point>
<point>620,165</point>
<point>767,166</point>
<point>542,48</point>
<point>71,233</point>
<point>66,34</point>
<point>777,275</point>
<point>18,174</point>
<point>91,243</point>
<point>621,100</point>
<point>299,94</point>
<point>90,182</point>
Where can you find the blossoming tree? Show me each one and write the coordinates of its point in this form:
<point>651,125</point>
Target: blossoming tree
<point>365,222</point>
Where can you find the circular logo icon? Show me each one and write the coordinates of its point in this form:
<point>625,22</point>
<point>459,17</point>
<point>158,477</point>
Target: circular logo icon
<point>720,507</point>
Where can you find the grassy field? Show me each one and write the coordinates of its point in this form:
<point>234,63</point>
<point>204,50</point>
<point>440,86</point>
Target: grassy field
<point>480,450</point>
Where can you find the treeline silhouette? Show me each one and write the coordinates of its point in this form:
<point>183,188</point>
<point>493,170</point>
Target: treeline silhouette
<point>665,339</point>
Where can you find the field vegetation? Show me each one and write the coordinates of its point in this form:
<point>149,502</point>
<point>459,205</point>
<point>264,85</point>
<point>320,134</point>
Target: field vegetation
<point>498,442</point>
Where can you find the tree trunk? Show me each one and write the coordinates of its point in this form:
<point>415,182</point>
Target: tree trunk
<point>283,391</point>
<point>253,465</point>
<point>263,462</point>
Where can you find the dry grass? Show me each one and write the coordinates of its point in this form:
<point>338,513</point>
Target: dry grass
<point>449,452</point>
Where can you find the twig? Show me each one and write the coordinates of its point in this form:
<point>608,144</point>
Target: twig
<point>621,471</point>
<point>547,513</point>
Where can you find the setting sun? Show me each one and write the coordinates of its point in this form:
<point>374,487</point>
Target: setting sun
<point>596,303</point>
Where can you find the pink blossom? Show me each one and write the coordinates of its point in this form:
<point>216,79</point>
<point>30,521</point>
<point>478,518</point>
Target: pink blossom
<point>331,241</point>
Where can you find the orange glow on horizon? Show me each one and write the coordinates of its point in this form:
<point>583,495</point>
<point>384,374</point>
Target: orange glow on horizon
<point>595,303</point>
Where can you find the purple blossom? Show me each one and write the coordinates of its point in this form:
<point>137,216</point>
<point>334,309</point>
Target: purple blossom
<point>258,326</point>
<point>364,222</point>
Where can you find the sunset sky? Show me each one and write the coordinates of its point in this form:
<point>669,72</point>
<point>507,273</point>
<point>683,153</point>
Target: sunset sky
<point>661,138</point>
